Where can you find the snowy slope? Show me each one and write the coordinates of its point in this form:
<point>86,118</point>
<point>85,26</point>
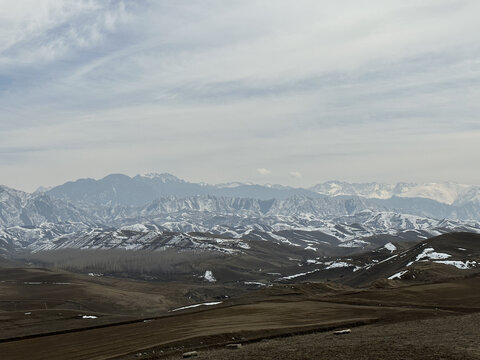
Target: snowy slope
<point>228,233</point>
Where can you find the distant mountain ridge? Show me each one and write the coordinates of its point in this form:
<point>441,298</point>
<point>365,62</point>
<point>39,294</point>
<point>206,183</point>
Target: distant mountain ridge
<point>142,189</point>
<point>119,189</point>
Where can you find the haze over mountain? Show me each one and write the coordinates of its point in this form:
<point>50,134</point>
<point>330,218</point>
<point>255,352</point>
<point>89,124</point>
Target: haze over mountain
<point>141,189</point>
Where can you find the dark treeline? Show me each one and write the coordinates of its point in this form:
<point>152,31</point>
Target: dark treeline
<point>117,261</point>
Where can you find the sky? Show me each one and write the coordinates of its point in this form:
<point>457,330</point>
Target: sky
<point>293,92</point>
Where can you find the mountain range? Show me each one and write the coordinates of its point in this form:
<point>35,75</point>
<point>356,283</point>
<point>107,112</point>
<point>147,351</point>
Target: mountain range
<point>325,217</point>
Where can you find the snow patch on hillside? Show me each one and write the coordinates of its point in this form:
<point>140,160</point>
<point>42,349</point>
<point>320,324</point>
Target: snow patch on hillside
<point>463,265</point>
<point>336,265</point>
<point>209,276</point>
<point>398,275</point>
<point>430,254</point>
<point>197,305</point>
<point>390,247</point>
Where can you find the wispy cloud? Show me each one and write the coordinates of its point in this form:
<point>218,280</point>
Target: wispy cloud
<point>188,88</point>
<point>40,32</point>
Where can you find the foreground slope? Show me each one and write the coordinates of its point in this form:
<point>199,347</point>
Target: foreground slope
<point>448,256</point>
<point>453,338</point>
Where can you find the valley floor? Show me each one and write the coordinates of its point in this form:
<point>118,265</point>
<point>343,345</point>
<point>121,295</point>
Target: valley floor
<point>429,321</point>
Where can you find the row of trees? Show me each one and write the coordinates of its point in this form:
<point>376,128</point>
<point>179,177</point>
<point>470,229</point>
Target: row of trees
<point>115,261</point>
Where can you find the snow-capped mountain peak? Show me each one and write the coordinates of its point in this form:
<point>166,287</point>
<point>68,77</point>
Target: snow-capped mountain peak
<point>162,177</point>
